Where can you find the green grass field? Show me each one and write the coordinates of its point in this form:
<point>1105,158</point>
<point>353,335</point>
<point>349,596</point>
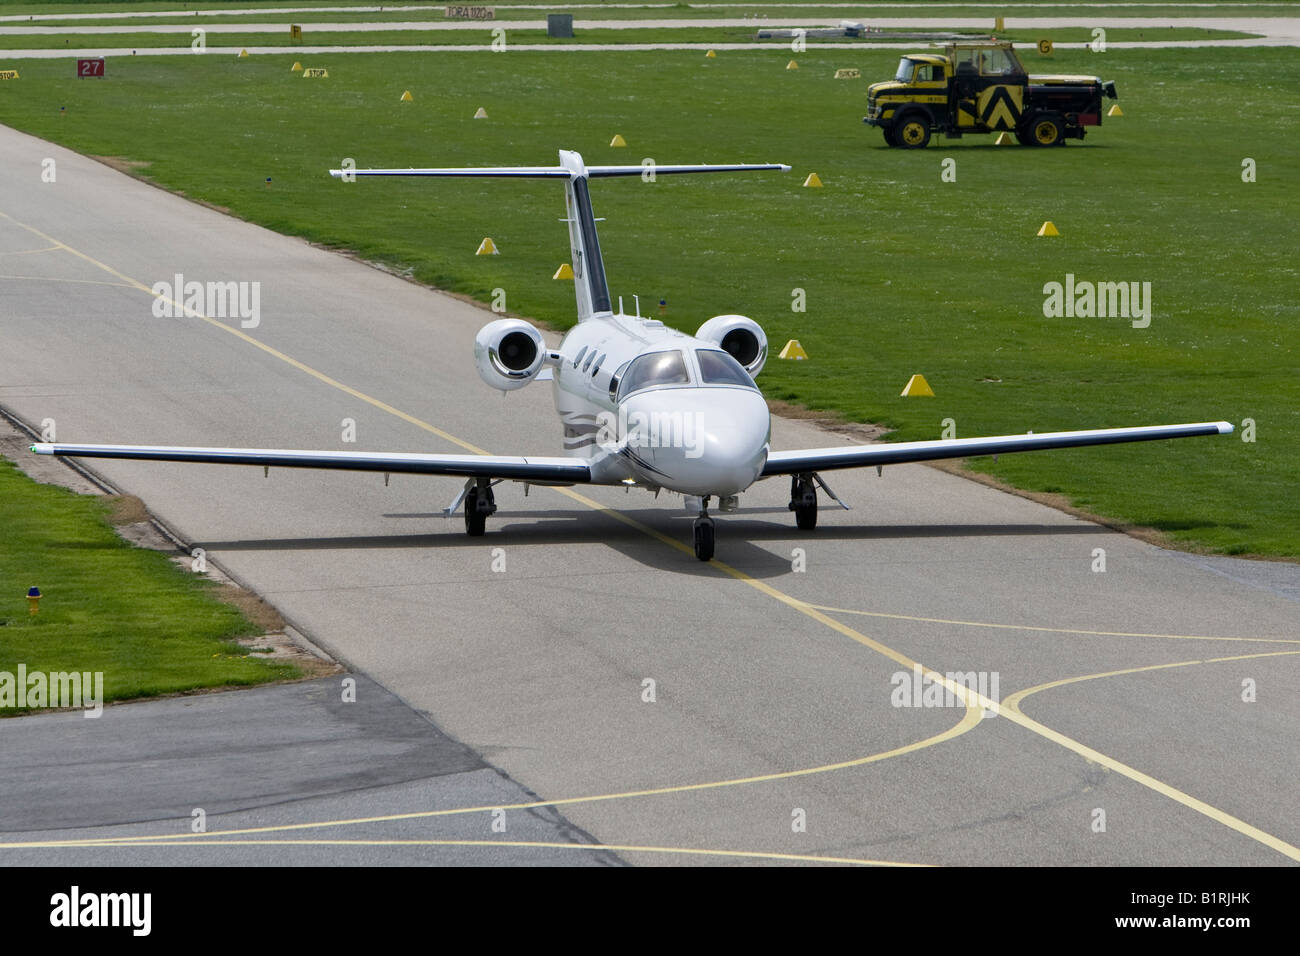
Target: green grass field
<point>772,9</point>
<point>903,273</point>
<point>150,627</point>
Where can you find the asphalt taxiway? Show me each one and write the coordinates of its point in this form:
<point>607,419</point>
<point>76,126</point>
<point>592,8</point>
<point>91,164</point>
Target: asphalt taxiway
<point>772,734</point>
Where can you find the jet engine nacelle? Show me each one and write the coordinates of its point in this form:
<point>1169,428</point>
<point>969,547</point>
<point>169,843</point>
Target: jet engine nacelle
<point>509,353</point>
<point>740,337</point>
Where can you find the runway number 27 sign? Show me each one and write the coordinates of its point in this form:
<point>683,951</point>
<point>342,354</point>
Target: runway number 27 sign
<point>90,67</point>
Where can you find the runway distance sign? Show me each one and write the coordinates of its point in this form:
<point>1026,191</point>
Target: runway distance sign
<point>470,13</point>
<point>90,67</point>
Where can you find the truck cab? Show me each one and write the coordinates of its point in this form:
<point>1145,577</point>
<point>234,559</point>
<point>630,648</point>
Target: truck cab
<point>982,87</point>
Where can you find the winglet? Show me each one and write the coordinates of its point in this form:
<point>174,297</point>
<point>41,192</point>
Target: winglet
<point>1225,428</point>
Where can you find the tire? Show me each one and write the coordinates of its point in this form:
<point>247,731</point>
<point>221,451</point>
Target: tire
<point>913,131</point>
<point>475,520</point>
<point>889,136</point>
<point>1046,129</point>
<point>806,518</point>
<point>803,502</point>
<point>704,540</point>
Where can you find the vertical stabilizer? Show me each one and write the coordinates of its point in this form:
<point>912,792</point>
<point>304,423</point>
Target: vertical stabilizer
<point>589,285</point>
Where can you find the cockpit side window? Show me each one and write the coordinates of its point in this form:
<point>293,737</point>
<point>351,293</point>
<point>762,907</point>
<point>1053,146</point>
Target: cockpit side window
<point>719,368</point>
<point>654,368</point>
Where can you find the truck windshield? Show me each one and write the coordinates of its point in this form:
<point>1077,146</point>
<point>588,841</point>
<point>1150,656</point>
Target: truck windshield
<point>904,74</point>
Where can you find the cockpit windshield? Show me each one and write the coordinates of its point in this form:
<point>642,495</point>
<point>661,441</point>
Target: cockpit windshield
<point>654,368</point>
<point>719,368</point>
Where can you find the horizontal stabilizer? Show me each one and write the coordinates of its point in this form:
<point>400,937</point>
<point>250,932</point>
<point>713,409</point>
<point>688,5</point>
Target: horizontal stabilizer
<point>557,172</point>
<point>506,172</point>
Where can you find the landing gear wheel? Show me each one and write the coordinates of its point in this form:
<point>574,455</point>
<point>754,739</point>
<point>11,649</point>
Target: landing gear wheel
<point>912,132</point>
<point>479,503</point>
<point>704,538</point>
<point>803,502</point>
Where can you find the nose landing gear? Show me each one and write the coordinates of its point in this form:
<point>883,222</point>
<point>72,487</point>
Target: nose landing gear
<point>704,539</point>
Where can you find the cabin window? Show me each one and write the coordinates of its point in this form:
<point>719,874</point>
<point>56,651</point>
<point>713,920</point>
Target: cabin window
<point>577,359</point>
<point>719,368</point>
<point>654,368</point>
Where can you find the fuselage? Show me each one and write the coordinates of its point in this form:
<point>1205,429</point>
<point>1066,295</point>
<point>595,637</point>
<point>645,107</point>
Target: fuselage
<point>647,403</point>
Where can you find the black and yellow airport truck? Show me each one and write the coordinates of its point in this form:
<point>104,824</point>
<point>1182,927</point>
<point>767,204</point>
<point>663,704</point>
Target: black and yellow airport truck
<point>982,87</point>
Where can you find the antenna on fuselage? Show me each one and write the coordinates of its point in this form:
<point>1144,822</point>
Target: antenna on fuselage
<point>590,286</point>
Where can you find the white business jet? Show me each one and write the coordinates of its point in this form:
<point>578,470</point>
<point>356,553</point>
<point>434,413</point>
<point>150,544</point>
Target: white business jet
<point>642,405</point>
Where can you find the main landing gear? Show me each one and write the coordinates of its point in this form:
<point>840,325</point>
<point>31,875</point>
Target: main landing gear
<point>803,501</point>
<point>479,503</point>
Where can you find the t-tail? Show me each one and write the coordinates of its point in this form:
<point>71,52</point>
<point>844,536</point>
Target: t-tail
<point>590,285</point>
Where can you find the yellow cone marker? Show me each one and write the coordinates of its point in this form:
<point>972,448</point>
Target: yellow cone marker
<point>793,350</point>
<point>242,54</point>
<point>711,55</point>
<point>1004,139</point>
<point>481,114</point>
<point>792,65</point>
<point>916,387</point>
<point>618,141</point>
<point>407,97</point>
<point>487,248</point>
<point>297,68</point>
<point>1048,229</point>
<point>564,272</point>
<point>813,180</point>
<point>1115,111</point>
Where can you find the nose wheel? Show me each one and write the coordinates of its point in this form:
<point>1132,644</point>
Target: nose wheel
<point>803,502</point>
<point>704,532</point>
<point>704,538</point>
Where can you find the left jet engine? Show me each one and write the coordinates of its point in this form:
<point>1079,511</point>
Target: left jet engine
<point>509,353</point>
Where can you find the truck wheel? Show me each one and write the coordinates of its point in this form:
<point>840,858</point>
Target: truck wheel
<point>912,132</point>
<point>889,135</point>
<point>1046,129</point>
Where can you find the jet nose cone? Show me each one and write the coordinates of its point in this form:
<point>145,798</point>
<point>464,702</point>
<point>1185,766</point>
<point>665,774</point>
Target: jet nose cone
<point>701,441</point>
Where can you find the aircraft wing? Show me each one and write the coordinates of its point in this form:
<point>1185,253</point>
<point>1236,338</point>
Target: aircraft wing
<point>556,470</point>
<point>824,459</point>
